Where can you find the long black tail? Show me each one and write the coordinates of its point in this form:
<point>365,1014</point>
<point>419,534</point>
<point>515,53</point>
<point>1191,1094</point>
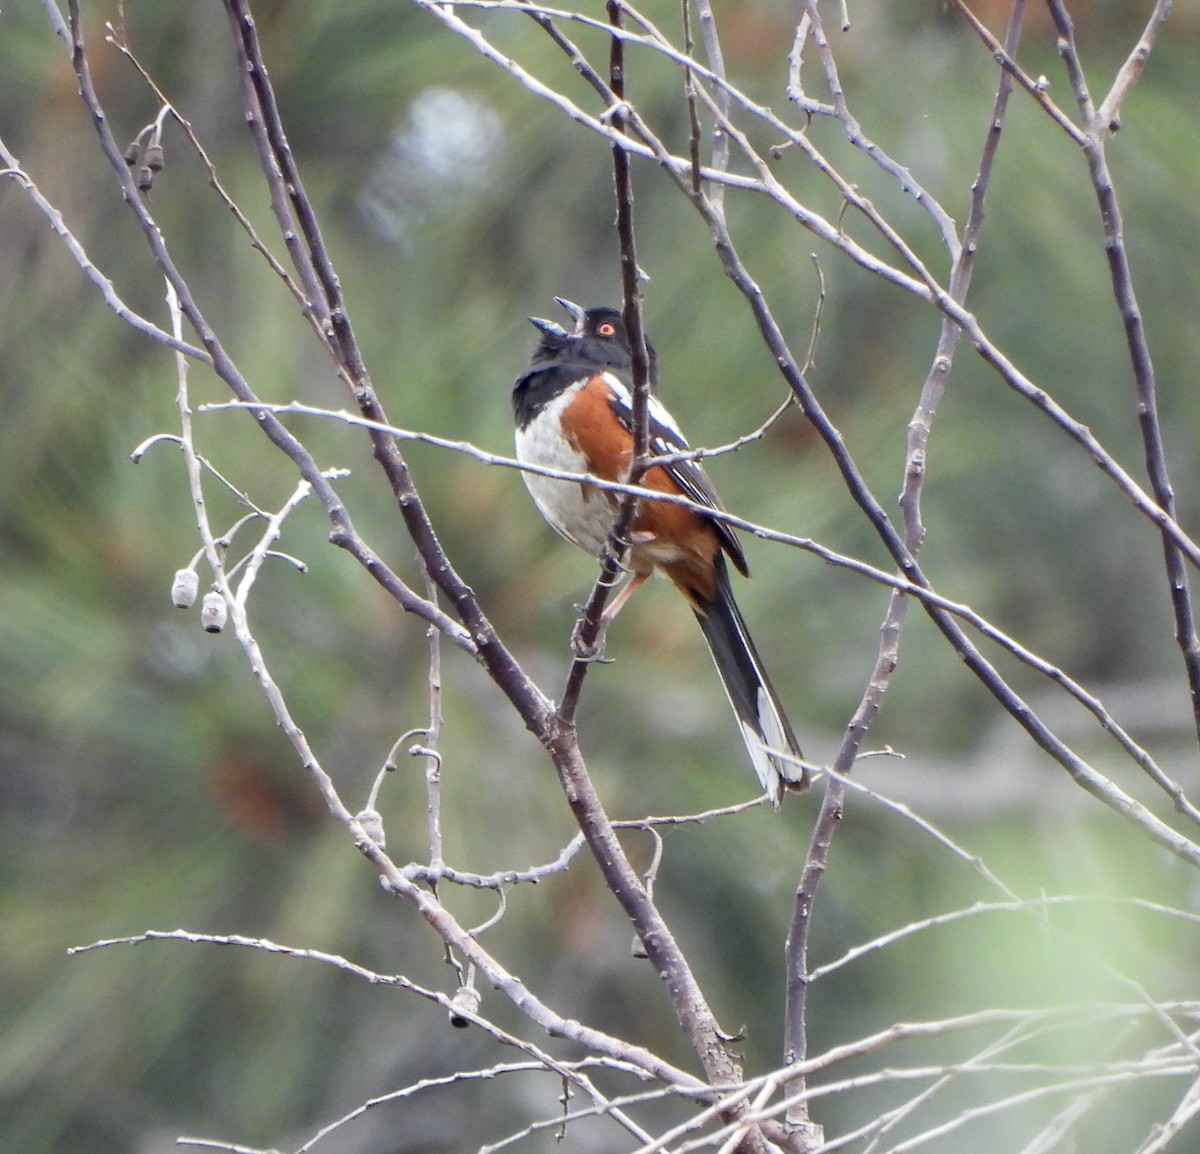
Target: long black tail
<point>765,727</point>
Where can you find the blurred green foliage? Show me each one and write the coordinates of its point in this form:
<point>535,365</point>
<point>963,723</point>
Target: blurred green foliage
<point>143,783</point>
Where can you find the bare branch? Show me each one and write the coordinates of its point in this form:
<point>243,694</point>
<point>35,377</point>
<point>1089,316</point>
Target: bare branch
<point>892,581</point>
<point>1163,1134</point>
<point>1142,364</point>
<point>1070,57</point>
<point>429,875</point>
<point>1000,1053</point>
<point>716,64</point>
<point>1130,72</point>
<point>117,40</point>
<point>1035,88</point>
<point>854,133</point>
<point>1037,906</point>
<point>573,1071</point>
<point>923,285</point>
<point>587,631</point>
<point>14,172</point>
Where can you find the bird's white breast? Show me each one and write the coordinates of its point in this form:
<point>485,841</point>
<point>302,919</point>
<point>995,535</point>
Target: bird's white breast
<point>581,513</point>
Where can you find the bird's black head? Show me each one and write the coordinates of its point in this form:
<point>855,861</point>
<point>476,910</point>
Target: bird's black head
<point>605,327</point>
<point>599,338</point>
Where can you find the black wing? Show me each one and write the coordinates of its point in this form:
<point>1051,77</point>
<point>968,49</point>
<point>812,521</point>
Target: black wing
<point>666,439</point>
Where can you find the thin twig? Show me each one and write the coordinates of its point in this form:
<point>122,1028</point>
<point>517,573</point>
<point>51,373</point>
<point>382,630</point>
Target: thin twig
<point>1163,1133</point>
<point>344,533</point>
<point>119,42</point>
<point>1038,906</point>
<point>587,631</point>
<point>716,65</point>
<point>1042,735</point>
<point>1141,361</point>
<point>432,732</point>
<point>540,1059</point>
<point>923,285</point>
<point>1073,64</point>
<point>689,94</point>
<point>1035,89</point>
<point>854,133</point>
<point>13,171</point>
<point>890,580</point>
<point>1131,71</point>
<point>494,881</point>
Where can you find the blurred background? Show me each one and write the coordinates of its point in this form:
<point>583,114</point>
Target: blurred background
<point>143,783</point>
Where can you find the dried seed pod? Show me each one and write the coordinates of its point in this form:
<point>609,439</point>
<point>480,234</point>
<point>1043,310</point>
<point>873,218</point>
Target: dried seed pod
<point>465,1000</point>
<point>213,612</point>
<point>184,588</point>
<point>145,179</point>
<point>133,153</point>
<point>153,157</point>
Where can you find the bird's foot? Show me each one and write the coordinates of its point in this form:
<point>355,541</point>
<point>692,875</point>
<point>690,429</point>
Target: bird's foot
<point>589,651</point>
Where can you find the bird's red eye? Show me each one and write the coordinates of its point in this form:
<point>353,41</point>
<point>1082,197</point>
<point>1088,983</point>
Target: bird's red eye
<point>607,329</point>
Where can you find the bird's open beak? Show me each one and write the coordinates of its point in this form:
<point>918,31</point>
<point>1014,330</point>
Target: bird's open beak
<point>550,328</point>
<point>576,313</point>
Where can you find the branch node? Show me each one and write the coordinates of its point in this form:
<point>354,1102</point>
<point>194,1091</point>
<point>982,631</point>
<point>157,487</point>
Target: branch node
<point>616,113</point>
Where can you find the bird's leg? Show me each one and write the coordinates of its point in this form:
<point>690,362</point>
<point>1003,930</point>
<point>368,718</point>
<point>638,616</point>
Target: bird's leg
<point>594,652</point>
<point>618,602</point>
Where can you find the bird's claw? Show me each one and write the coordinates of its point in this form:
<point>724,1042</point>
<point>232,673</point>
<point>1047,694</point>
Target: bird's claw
<point>583,651</point>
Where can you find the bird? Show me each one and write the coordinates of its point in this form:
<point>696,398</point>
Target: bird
<point>573,408</point>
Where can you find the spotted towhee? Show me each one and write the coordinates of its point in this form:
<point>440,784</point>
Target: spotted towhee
<point>574,413</point>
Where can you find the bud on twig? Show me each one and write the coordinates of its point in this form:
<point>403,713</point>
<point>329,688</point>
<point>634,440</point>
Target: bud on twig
<point>184,588</point>
<point>213,612</point>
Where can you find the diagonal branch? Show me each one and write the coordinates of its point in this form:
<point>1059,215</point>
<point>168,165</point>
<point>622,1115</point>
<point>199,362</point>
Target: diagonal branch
<point>1042,735</point>
<point>541,1059</point>
<point>893,582</point>
<point>920,426</point>
<point>812,24</point>
<point>587,632</point>
<point>393,877</point>
<point>923,285</point>
<point>344,532</point>
<point>14,171</point>
<point>1142,364</point>
<point>554,731</point>
<point>1035,88</point>
<point>1130,72</point>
